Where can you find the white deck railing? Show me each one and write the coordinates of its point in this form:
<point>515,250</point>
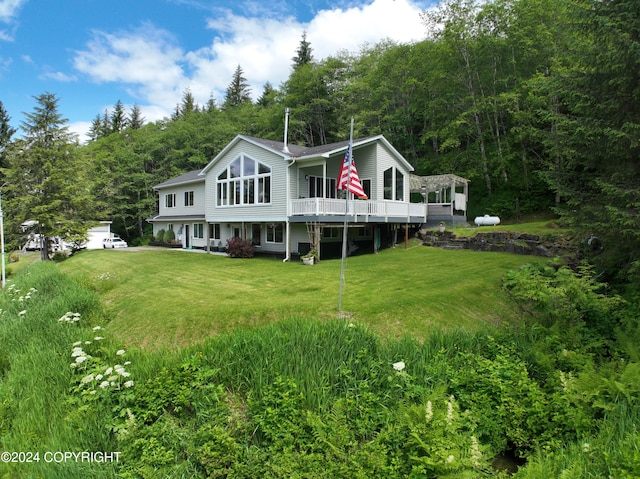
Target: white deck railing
<point>336,207</point>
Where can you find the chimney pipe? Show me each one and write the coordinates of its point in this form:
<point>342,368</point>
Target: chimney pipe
<point>286,130</point>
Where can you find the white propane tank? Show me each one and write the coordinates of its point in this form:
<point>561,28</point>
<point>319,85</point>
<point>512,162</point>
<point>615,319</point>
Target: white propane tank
<point>487,220</point>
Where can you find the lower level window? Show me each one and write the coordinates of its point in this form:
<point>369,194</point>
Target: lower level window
<point>214,231</point>
<point>275,233</point>
<point>198,230</point>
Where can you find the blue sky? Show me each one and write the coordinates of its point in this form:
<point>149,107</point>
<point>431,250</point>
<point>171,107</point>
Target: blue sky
<point>92,53</point>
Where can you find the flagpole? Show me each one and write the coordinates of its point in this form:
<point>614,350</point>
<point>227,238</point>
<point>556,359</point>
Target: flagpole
<point>345,228</point>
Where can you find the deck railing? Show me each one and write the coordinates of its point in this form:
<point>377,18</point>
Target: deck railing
<point>366,208</point>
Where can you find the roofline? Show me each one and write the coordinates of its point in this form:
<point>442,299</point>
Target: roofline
<point>178,183</point>
<point>359,143</point>
<point>233,142</point>
<point>289,156</point>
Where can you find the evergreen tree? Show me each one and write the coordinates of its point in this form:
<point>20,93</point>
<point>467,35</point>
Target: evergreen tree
<point>6,132</point>
<point>598,93</point>
<point>118,118</point>
<point>238,91</point>
<point>136,120</point>
<point>188,104</point>
<point>95,129</point>
<point>46,182</point>
<point>303,53</point>
<point>267,97</point>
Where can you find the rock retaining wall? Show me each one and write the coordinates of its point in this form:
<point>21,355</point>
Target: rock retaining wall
<point>519,243</point>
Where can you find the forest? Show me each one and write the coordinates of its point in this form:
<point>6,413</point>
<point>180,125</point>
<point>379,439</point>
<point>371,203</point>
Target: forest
<point>536,102</point>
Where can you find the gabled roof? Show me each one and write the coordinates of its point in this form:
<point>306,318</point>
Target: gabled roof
<point>189,177</point>
<point>302,153</point>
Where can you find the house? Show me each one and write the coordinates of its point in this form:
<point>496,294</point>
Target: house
<point>283,198</point>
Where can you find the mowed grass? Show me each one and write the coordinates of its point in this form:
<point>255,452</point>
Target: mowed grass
<point>168,298</point>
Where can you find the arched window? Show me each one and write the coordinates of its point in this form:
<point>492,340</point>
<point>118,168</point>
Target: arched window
<point>244,181</point>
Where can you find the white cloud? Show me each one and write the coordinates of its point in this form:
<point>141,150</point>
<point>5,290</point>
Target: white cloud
<point>156,71</point>
<point>59,76</point>
<point>147,59</point>
<point>9,9</point>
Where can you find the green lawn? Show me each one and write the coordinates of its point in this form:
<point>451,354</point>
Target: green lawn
<point>175,298</point>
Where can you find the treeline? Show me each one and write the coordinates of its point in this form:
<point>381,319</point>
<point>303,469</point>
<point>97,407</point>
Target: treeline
<point>534,101</point>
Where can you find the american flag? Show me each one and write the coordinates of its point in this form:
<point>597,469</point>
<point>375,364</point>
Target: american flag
<point>348,179</point>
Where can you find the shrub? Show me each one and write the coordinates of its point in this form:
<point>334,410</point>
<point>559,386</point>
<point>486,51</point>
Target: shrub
<point>169,236</point>
<point>160,236</point>
<point>239,248</point>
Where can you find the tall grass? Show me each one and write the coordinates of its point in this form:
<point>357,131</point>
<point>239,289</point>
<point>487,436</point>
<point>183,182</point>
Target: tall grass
<point>35,373</point>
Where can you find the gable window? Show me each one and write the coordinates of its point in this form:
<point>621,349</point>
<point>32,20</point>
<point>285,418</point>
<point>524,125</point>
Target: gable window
<point>170,200</point>
<point>244,181</point>
<point>393,184</point>
<point>275,233</point>
<point>198,230</point>
<point>188,198</point>
<point>316,189</point>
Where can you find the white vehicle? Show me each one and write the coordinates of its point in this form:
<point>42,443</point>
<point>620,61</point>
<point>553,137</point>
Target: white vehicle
<point>114,243</point>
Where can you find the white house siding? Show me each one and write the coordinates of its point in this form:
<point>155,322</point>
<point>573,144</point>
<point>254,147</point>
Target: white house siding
<point>180,209</point>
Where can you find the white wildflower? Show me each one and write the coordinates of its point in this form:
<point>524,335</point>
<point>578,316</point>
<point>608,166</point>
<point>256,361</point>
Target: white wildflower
<point>450,410</point>
<point>104,384</point>
<point>128,384</point>
<point>450,459</point>
<point>87,342</point>
<point>108,371</point>
<point>22,313</point>
<point>99,377</point>
<point>120,352</point>
<point>77,351</point>
<point>586,447</point>
<point>98,338</point>
<point>399,366</point>
<point>77,343</point>
<point>429,411</point>
<point>476,454</point>
<point>87,379</point>
<point>126,363</point>
<point>81,359</point>
<point>97,328</point>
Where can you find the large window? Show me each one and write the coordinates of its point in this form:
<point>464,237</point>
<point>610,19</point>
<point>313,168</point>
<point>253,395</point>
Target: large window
<point>275,233</point>
<point>316,189</point>
<point>188,198</point>
<point>393,184</point>
<point>244,182</point>
<point>170,200</point>
<point>198,230</point>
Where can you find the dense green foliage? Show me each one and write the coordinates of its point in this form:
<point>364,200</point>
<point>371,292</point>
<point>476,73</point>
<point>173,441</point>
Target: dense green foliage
<point>308,398</point>
<point>534,101</point>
